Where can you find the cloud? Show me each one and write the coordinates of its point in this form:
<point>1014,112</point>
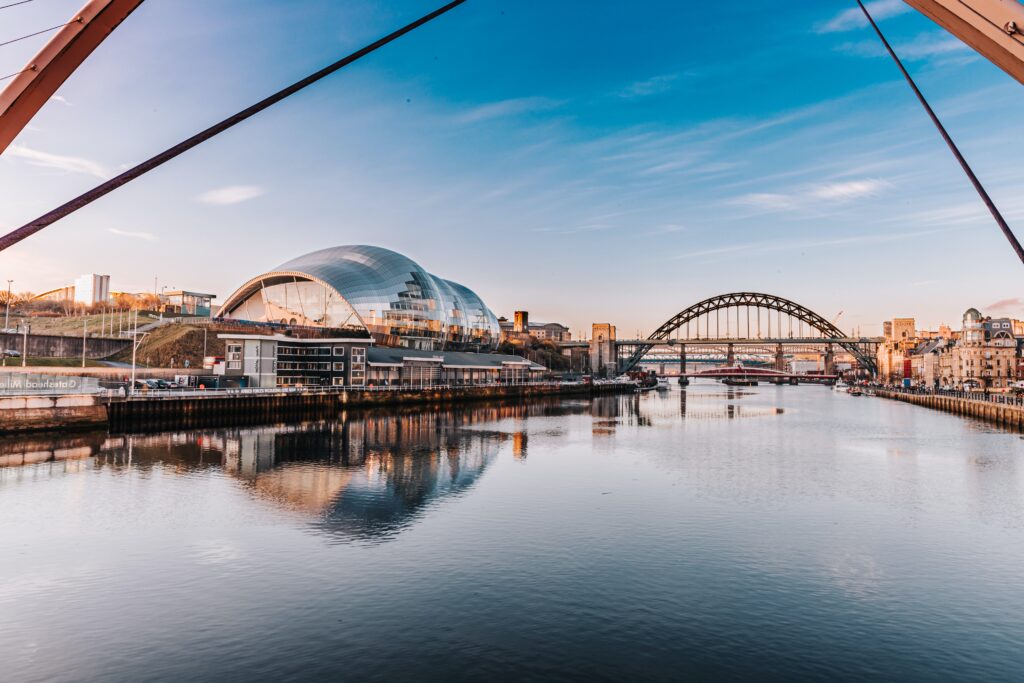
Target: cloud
<point>853,18</point>
<point>232,194</point>
<point>924,46</point>
<point>774,246</point>
<point>853,189</point>
<point>59,162</point>
<point>60,98</point>
<point>813,194</point>
<point>506,108</point>
<point>649,86</point>
<point>149,237</point>
<point>667,229</point>
<point>766,200</point>
<point>1006,305</point>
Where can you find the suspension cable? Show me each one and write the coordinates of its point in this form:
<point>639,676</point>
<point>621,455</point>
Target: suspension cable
<point>13,4</point>
<point>18,73</point>
<point>76,20</point>
<point>66,209</point>
<point>949,141</point>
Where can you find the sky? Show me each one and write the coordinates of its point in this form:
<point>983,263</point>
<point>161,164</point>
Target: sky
<point>585,160</point>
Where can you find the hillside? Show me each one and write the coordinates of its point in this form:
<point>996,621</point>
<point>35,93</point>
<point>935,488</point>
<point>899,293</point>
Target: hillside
<point>171,345</point>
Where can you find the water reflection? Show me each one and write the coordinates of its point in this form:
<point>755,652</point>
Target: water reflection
<point>365,476</point>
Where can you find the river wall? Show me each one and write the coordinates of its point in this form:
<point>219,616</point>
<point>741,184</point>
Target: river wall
<point>58,346</point>
<point>215,409</point>
<point>997,413</point>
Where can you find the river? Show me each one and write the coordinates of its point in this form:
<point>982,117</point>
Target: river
<point>768,533</point>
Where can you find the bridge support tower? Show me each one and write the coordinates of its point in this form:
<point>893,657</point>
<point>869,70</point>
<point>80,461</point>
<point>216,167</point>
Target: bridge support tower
<point>730,356</point>
<point>830,360</point>
<point>683,381</point>
<point>780,358</point>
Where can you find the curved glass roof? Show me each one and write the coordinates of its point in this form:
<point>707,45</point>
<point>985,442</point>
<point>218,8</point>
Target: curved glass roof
<point>393,296</point>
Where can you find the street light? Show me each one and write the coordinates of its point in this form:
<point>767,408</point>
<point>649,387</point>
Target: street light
<point>7,313</point>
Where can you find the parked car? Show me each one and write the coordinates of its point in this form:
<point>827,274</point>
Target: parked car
<point>11,353</point>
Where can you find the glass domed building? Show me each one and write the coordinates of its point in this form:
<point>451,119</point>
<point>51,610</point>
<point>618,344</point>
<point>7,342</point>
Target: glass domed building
<point>381,291</point>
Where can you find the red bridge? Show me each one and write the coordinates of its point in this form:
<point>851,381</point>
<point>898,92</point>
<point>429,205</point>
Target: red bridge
<point>745,374</point>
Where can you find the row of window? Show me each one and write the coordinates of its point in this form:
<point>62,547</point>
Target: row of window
<point>322,367</point>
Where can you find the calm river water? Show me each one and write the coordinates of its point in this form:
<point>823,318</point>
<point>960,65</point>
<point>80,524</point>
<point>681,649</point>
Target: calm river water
<point>758,534</point>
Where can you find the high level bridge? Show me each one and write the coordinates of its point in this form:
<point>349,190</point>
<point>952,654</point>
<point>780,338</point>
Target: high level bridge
<point>758,323</point>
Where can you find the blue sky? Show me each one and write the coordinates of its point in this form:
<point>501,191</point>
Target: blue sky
<point>584,160</point>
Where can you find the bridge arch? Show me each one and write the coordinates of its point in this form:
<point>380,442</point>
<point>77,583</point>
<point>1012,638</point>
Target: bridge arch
<point>754,300</point>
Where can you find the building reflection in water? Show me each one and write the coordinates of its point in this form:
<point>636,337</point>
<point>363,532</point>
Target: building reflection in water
<point>365,476</point>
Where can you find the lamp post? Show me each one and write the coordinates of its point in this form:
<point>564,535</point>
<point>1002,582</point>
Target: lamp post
<point>7,313</point>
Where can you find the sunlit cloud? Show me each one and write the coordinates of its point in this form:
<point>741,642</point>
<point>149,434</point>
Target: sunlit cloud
<point>148,236</point>
<point>60,162</point>
<point>60,98</point>
<point>1013,305</point>
<point>232,194</point>
<point>853,18</point>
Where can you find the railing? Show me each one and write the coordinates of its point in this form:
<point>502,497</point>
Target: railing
<point>192,392</point>
<point>1002,399</point>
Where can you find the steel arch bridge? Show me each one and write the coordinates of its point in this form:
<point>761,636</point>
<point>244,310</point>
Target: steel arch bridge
<point>861,350</point>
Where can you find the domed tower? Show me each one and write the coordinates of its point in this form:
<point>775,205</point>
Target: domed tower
<point>973,330</point>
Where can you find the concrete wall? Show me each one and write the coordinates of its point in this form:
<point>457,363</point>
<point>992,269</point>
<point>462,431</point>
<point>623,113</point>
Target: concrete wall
<point>30,413</point>
<point>996,413</point>
<point>55,346</point>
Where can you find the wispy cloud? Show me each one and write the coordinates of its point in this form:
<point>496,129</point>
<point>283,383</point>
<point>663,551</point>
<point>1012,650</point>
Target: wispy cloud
<point>766,200</point>
<point>765,246</point>
<point>667,229</point>
<point>813,195</point>
<point>506,108</point>
<point>59,162</point>
<point>853,189</point>
<point>60,98</point>
<point>232,194</point>
<point>650,86</point>
<point>853,18</point>
<point>924,46</point>
<point>148,236</point>
<point>1006,305</point>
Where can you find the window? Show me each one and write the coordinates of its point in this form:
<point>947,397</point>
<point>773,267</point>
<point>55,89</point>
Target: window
<point>339,381</point>
<point>339,350</point>
<point>234,353</point>
<point>339,367</point>
<point>358,355</point>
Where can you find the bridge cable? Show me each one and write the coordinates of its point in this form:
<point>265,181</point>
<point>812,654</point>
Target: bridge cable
<point>15,236</point>
<point>14,4</point>
<point>17,73</point>
<point>76,20</point>
<point>949,141</point>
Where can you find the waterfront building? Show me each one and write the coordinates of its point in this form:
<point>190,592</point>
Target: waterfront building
<point>522,328</point>
<point>368,289</point>
<point>188,303</point>
<point>278,360</point>
<point>92,289</point>
<point>986,355</point>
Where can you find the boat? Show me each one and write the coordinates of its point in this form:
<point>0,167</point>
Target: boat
<point>663,384</point>
<point>854,391</point>
<point>739,382</point>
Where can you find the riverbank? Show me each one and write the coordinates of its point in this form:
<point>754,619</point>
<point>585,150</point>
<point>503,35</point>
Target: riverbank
<point>1002,414</point>
<point>185,410</point>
